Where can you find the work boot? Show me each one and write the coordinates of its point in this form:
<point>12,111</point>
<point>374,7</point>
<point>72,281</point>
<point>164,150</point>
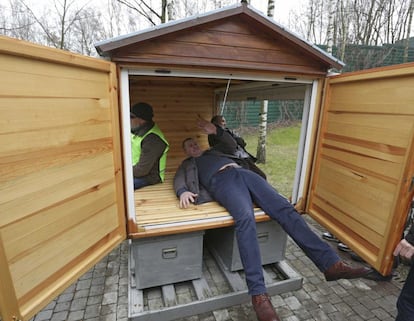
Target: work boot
<point>342,270</point>
<point>264,308</point>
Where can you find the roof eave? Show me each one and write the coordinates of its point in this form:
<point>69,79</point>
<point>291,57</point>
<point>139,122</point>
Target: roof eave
<point>106,46</point>
<point>296,39</point>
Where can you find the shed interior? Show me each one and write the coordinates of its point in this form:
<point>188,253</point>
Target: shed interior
<point>179,101</point>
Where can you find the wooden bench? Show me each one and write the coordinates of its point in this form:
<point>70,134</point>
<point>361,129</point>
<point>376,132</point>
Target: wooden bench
<point>158,212</point>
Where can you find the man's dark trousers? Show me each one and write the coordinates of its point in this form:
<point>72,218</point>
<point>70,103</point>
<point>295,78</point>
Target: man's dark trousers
<point>236,189</point>
<point>405,303</point>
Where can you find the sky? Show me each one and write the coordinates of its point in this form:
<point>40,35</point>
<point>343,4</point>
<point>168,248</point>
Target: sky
<point>282,7</point>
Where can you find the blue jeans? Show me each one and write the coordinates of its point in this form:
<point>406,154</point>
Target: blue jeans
<point>236,190</point>
<point>405,303</point>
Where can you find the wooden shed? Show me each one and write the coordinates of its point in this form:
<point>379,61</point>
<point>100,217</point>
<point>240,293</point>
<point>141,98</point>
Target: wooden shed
<point>66,193</point>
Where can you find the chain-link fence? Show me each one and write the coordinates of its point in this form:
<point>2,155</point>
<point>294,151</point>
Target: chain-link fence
<point>359,57</point>
<point>242,115</point>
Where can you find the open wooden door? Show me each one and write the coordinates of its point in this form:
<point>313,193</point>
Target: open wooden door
<point>61,185</point>
<point>362,183</point>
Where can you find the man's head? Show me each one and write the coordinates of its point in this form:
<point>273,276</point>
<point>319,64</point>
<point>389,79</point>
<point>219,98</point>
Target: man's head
<point>191,147</point>
<point>140,114</point>
<point>219,120</point>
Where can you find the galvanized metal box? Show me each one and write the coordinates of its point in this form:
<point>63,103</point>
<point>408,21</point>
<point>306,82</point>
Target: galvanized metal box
<point>272,242</point>
<point>167,259</point>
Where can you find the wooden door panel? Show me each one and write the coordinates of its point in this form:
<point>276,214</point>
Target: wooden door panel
<point>360,187</point>
<point>61,184</point>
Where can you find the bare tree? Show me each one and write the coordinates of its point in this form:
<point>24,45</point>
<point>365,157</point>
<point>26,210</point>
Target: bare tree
<point>330,27</point>
<point>409,25</point>
<point>16,22</point>
<point>114,20</point>
<point>261,146</point>
<point>86,31</point>
<point>57,23</point>
<point>365,28</point>
<point>270,8</point>
<point>316,21</point>
<point>343,22</point>
<point>146,10</point>
<point>172,9</point>
<point>373,22</point>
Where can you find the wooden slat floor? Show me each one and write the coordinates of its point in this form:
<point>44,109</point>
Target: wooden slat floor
<point>158,212</point>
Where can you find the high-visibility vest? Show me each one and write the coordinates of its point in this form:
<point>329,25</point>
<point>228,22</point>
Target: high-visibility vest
<point>136,149</point>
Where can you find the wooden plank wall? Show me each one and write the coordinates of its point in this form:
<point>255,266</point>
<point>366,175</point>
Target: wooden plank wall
<point>364,156</point>
<point>61,192</point>
<point>235,43</point>
<point>176,105</point>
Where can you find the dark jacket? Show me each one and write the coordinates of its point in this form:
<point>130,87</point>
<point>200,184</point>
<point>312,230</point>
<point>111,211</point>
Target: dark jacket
<point>241,144</point>
<point>186,177</point>
<point>410,235</point>
<point>246,158</point>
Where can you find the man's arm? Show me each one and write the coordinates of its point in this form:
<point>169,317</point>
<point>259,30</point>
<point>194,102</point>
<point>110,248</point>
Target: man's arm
<point>179,182</point>
<point>410,235</point>
<point>181,189</point>
<point>223,141</point>
<point>152,147</point>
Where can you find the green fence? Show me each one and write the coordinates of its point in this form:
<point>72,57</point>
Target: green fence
<point>359,57</point>
<point>242,114</point>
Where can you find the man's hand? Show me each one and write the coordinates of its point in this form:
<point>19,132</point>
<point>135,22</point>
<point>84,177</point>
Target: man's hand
<point>206,126</point>
<point>404,249</point>
<point>186,199</point>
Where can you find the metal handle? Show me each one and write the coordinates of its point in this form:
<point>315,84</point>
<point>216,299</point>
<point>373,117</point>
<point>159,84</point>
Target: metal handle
<point>170,253</point>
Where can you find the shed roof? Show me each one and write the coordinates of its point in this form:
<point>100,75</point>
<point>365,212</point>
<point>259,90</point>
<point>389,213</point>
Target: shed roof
<point>209,40</point>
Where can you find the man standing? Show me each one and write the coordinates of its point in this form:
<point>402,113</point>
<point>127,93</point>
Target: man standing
<point>149,147</point>
<point>236,189</point>
<point>405,303</point>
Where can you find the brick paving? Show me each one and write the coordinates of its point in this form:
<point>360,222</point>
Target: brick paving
<point>102,294</point>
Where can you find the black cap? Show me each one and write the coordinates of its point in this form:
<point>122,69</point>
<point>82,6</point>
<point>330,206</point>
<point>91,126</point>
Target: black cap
<point>143,111</point>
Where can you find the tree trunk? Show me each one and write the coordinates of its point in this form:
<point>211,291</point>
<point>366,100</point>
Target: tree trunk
<point>344,20</point>
<point>261,146</point>
<point>270,8</point>
<point>163,11</point>
<point>172,10</point>
<point>407,39</point>
<point>330,28</point>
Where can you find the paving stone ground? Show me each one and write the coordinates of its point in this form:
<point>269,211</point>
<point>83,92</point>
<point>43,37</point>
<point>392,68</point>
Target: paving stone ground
<point>102,294</point>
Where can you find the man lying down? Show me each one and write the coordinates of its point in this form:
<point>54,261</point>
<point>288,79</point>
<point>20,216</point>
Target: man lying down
<point>216,174</point>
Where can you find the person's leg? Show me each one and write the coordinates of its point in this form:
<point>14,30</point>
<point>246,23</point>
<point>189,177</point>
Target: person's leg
<point>405,303</point>
<point>281,210</point>
<point>228,189</point>
<point>140,182</point>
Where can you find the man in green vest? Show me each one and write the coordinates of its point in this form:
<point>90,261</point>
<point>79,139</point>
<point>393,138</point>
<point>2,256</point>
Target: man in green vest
<point>148,145</point>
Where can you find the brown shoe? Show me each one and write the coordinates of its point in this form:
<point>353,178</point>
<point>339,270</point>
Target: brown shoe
<point>264,308</point>
<point>341,270</point>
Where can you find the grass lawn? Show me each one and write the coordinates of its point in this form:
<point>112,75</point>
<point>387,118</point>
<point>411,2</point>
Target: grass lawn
<point>281,153</point>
